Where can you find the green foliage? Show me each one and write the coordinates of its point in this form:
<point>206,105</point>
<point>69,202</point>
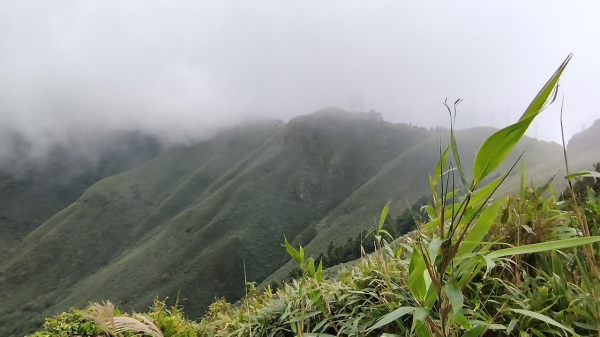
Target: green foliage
<point>73,322</point>
<point>374,298</point>
<point>170,320</point>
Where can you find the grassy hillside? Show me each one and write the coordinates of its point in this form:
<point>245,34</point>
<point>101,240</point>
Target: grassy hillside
<point>194,218</point>
<point>405,179</point>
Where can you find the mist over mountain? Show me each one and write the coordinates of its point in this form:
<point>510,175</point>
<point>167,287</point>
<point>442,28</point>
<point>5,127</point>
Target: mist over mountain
<point>142,220</point>
<point>177,69</point>
<point>157,148</point>
<point>36,183</point>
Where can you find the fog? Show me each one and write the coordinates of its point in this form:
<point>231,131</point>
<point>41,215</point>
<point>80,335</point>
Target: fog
<point>183,69</point>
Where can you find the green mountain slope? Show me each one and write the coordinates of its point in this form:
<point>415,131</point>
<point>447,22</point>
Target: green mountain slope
<point>195,217</point>
<point>404,179</point>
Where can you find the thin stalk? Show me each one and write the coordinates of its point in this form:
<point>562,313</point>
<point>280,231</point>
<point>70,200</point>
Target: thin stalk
<point>588,249</point>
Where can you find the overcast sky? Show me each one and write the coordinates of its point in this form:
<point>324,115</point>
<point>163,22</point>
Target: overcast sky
<point>186,66</point>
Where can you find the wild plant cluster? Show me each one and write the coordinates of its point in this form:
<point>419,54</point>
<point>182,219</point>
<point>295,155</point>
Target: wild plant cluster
<point>521,265</point>
<point>531,294</point>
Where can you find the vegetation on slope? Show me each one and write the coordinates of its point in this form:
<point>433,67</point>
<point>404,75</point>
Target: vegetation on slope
<point>533,294</point>
<point>190,219</point>
<point>454,276</point>
<point>34,187</point>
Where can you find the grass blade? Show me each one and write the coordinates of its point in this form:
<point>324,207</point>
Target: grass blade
<point>543,319</point>
<point>544,246</point>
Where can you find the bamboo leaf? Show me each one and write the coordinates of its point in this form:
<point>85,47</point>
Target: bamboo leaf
<point>311,267</point>
<point>455,296</point>
<point>480,229</point>
<point>544,246</point>
<point>434,248</point>
<point>511,326</point>
<point>384,213</point>
<point>416,281</point>
<point>483,193</point>
<point>543,319</point>
<point>476,331</point>
<point>592,174</point>
<point>319,273</point>
<point>392,316</point>
<point>293,252</point>
<point>496,148</point>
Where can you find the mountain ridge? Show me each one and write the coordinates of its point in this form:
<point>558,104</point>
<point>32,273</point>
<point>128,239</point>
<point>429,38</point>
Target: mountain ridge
<point>194,217</point>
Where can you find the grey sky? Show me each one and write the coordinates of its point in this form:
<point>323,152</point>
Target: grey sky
<point>185,66</point>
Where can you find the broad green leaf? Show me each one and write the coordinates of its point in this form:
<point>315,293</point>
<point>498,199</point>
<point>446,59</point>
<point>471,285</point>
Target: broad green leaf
<point>434,248</point>
<point>293,252</point>
<point>416,281</point>
<point>541,98</point>
<point>461,320</point>
<point>490,264</point>
<point>384,213</point>
<point>432,295</point>
<point>542,318</point>
<point>483,193</point>
<point>544,246</point>
<point>311,267</point>
<point>431,212</point>
<point>479,230</point>
<point>511,326</point>
<point>320,334</point>
<point>455,296</point>
<point>475,331</point>
<point>392,316</point>
<point>420,328</point>
<point>319,273</point>
<point>420,314</point>
<point>496,148</point>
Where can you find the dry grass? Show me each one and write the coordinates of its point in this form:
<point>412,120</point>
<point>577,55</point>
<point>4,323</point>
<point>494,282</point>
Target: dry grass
<point>103,316</point>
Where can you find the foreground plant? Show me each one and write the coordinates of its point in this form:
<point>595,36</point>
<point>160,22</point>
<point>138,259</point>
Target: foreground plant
<point>515,266</point>
<point>446,258</point>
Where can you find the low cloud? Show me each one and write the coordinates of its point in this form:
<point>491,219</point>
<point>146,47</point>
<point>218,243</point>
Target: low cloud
<point>185,69</point>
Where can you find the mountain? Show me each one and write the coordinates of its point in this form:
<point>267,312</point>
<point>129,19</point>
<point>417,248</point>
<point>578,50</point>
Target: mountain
<point>584,145</point>
<point>200,219</point>
<point>36,186</point>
